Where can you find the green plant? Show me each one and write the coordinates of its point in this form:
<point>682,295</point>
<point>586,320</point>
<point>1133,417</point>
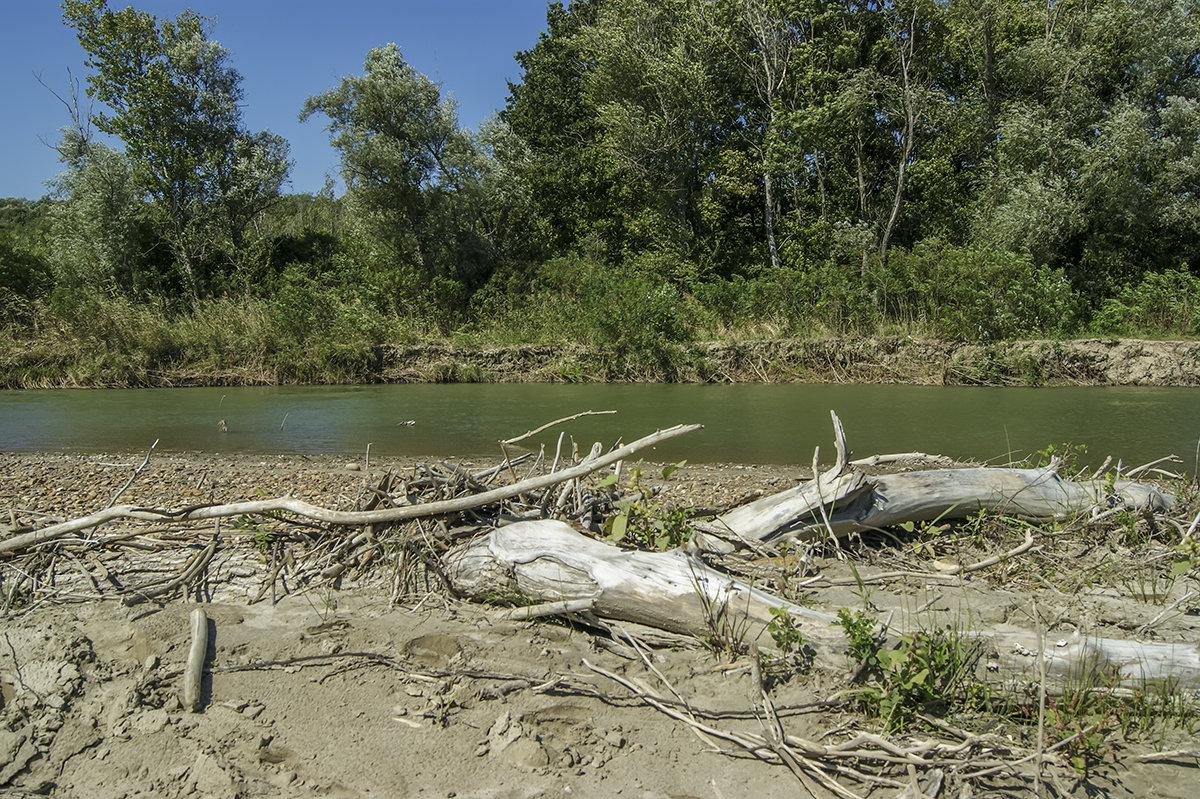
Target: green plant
<point>784,632</point>
<point>1081,718</point>
<point>932,671</point>
<point>862,641</point>
<point>1069,455</point>
<point>262,535</point>
<point>653,526</point>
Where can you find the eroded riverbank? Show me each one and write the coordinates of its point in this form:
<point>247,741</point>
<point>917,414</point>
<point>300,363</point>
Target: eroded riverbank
<point>889,360</point>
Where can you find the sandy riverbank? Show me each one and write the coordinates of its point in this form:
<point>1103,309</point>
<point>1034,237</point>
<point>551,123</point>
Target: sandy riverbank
<point>338,690</point>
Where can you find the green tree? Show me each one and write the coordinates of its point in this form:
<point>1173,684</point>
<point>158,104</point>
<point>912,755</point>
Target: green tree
<point>407,165</point>
<point>95,218</point>
<point>660,116</point>
<point>1097,166</point>
<point>570,183</point>
<point>174,101</point>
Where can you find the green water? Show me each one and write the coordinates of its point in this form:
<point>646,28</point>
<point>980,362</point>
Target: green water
<point>743,423</point>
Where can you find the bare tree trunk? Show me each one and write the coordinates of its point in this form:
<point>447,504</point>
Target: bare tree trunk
<point>769,215</point>
<point>548,561</point>
<point>907,100</point>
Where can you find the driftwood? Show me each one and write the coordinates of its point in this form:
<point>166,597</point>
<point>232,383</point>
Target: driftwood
<point>840,502</point>
<point>193,671</point>
<point>549,562</point>
<point>298,507</point>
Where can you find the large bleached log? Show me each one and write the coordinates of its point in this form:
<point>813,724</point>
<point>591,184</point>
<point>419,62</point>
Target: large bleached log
<point>852,502</point>
<point>841,501</point>
<point>548,561</point>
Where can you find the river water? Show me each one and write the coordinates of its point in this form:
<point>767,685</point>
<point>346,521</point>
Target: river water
<point>778,424</point>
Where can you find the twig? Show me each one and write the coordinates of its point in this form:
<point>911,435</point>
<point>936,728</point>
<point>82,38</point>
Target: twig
<point>301,508</point>
<point>198,563</point>
<point>133,476</point>
<point>546,609</point>
<point>1145,628</point>
<point>1146,466</point>
<point>548,425</point>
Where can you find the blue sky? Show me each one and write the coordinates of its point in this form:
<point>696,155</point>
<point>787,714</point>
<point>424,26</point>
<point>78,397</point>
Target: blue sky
<point>285,52</point>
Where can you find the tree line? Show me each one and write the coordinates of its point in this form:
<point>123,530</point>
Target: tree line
<point>663,170</point>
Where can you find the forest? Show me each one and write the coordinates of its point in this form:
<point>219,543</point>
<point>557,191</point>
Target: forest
<point>663,171</point>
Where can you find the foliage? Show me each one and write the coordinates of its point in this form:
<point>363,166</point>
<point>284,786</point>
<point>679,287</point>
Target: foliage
<point>644,523</point>
<point>789,640</point>
<point>974,295</point>
<point>662,172</point>
<point>410,171</point>
<point>929,671</point>
<point>1162,303</point>
<point>175,103</point>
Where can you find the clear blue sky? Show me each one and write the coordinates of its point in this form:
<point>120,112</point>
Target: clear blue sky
<point>285,51</point>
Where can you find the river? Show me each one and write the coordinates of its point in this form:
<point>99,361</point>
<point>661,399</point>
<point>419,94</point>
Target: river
<point>778,424</point>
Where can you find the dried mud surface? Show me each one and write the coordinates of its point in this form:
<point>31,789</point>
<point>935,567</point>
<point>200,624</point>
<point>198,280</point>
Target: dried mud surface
<point>344,692</point>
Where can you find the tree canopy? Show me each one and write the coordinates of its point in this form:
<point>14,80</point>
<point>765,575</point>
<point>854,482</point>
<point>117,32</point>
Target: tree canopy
<point>973,169</point>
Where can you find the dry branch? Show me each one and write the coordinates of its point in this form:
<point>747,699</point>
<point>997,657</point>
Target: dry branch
<point>300,508</point>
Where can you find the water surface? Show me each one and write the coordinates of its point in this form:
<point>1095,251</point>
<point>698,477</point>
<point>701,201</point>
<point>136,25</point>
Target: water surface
<point>743,423</point>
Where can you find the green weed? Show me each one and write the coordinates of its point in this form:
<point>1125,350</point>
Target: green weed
<point>930,671</point>
<point>647,525</point>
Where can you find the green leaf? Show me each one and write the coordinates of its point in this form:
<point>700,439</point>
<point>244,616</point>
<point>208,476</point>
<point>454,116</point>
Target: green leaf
<point>619,525</point>
<point>667,471</point>
<point>607,481</point>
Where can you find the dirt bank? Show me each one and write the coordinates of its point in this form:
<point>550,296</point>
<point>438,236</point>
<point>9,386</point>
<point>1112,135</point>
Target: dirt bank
<point>1109,362</point>
<point>896,359</point>
<point>350,688</point>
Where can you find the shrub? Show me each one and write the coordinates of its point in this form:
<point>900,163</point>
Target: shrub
<point>1163,303</point>
<point>972,294</point>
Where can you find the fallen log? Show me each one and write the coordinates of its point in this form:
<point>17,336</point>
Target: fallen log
<point>840,502</point>
<point>550,562</point>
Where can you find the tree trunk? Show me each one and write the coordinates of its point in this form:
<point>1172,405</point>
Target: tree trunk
<point>548,561</point>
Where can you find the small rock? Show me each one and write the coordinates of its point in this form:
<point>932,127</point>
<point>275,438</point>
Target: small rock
<point>614,739</point>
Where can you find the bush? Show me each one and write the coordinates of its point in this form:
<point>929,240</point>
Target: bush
<point>968,294</point>
<point>1162,304</point>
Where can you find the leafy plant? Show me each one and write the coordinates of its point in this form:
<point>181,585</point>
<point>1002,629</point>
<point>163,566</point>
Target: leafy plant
<point>862,642</point>
<point>262,534</point>
<point>650,525</point>
<point>925,672</point>
<point>793,649</point>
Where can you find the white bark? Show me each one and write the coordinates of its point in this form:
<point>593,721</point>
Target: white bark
<point>852,502</point>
